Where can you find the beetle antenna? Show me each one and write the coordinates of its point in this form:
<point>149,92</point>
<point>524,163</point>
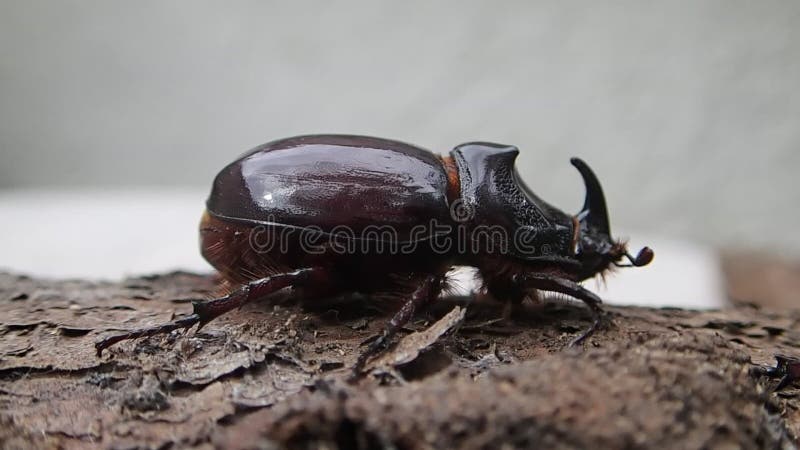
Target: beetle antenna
<point>643,258</point>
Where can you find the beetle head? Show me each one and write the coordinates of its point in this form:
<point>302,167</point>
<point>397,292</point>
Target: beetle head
<point>595,249</point>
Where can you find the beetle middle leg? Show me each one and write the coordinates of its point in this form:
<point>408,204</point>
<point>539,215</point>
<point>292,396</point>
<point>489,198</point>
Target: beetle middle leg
<point>509,293</point>
<point>427,291</point>
<point>206,311</point>
<point>555,284</point>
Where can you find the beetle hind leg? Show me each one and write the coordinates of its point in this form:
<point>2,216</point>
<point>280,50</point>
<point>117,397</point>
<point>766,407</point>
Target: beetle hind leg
<point>206,311</point>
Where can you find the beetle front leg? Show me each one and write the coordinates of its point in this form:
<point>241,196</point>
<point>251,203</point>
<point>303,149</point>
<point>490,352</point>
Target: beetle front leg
<point>206,311</point>
<point>571,288</point>
<point>426,292</point>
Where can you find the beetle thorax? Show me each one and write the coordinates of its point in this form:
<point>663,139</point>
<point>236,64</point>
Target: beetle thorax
<point>496,207</point>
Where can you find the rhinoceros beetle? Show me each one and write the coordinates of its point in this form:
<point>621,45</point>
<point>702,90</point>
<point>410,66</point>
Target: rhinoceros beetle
<point>333,214</point>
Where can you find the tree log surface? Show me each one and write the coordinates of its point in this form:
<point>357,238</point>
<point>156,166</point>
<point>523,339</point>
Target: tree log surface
<point>275,374</point>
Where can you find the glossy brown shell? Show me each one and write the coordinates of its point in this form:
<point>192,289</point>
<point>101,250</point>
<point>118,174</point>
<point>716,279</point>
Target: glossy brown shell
<point>330,181</point>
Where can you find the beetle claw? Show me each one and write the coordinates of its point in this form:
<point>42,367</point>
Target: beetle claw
<point>597,316</point>
<point>589,331</point>
<point>374,347</point>
<point>184,323</point>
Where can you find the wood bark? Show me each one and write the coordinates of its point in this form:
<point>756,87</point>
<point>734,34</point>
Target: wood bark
<point>275,375</point>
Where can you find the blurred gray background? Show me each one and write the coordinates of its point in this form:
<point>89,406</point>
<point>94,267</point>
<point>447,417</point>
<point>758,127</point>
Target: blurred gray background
<point>688,110</point>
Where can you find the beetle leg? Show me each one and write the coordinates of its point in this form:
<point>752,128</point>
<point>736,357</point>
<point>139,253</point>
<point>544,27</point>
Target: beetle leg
<point>571,288</point>
<point>511,294</point>
<point>424,293</point>
<point>206,311</point>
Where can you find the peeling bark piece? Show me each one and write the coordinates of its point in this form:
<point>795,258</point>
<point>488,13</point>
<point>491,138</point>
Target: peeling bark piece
<point>412,345</point>
<point>208,366</point>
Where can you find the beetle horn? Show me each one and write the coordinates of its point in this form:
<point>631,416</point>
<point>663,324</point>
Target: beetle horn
<point>594,211</point>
